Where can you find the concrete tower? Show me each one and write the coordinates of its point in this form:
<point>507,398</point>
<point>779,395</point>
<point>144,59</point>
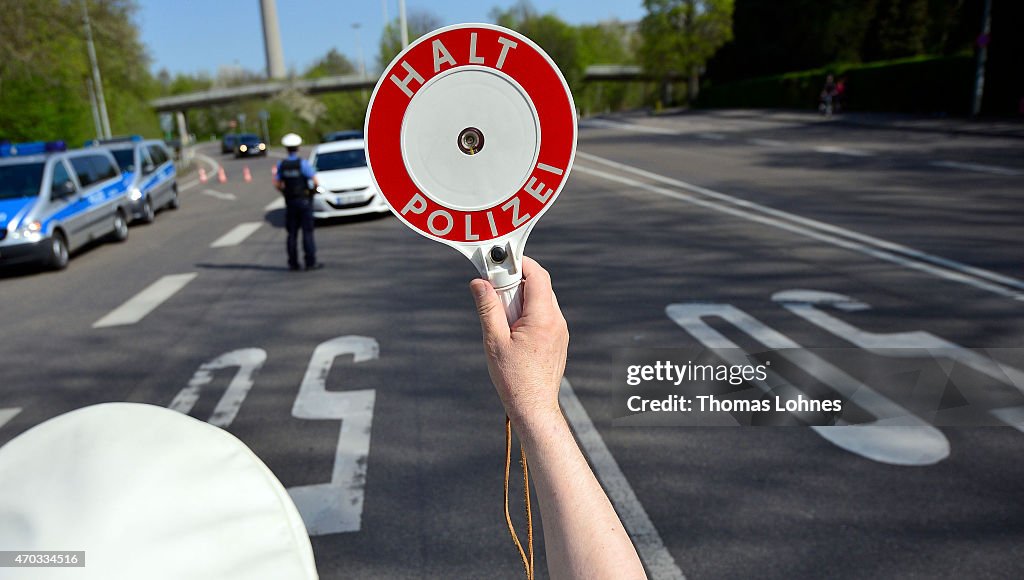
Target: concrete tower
<point>272,39</point>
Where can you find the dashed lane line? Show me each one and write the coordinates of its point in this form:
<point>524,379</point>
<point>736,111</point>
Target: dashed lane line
<point>767,142</point>
<point>276,204</point>
<point>656,557</point>
<point>140,305</point>
<point>237,235</point>
<point>628,127</point>
<point>977,167</point>
<point>861,243</point>
<point>219,194</point>
<point>843,151</point>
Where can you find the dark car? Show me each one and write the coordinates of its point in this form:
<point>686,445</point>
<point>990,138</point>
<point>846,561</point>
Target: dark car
<point>342,136</point>
<point>229,143</point>
<point>249,144</point>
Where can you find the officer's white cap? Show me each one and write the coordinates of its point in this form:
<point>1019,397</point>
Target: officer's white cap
<point>291,140</point>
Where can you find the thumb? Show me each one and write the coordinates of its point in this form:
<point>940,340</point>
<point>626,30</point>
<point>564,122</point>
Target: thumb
<point>490,310</point>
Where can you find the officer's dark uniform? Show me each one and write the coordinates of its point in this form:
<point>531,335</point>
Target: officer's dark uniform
<point>298,211</point>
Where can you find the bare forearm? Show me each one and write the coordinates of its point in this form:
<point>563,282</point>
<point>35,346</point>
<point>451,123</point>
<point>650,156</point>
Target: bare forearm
<point>582,533</point>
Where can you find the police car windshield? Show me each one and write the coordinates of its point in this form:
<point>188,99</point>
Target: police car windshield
<point>334,160</point>
<point>21,180</point>
<point>125,158</point>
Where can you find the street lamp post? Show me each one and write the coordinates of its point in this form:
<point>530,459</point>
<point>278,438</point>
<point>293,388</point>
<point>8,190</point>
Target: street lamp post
<point>403,24</point>
<point>97,81</point>
<point>359,48</point>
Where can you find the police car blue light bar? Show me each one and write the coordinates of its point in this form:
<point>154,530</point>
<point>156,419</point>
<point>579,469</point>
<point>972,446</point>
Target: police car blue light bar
<point>8,149</point>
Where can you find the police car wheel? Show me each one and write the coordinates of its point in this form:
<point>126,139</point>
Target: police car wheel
<point>58,259</point>
<point>174,203</point>
<point>120,232</point>
<point>147,212</point>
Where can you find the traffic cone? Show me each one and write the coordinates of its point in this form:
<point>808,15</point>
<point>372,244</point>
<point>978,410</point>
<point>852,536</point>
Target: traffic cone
<point>221,177</point>
<point>246,175</point>
<point>202,175</point>
<point>273,171</point>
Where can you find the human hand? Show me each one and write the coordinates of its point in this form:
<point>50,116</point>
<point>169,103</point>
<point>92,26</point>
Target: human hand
<point>526,361</point>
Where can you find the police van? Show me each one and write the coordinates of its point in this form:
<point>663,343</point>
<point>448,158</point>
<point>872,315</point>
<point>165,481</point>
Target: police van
<point>53,201</point>
<point>148,168</point>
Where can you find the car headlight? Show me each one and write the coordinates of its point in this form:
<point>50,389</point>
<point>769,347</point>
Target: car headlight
<point>263,146</point>
<point>243,148</point>
<point>30,231</point>
<point>136,194</point>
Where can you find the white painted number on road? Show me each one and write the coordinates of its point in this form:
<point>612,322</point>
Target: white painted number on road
<point>8,414</point>
<point>896,437</point>
<point>337,506</point>
<point>806,304</point>
<point>248,360</point>
<point>326,508</point>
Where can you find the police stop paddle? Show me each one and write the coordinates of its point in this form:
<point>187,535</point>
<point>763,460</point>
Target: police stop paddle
<point>470,136</point>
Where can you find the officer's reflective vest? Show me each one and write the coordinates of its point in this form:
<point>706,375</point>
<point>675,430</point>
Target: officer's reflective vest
<point>295,183</point>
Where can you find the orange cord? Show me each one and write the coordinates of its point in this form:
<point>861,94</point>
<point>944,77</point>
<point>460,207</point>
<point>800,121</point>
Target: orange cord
<point>527,560</point>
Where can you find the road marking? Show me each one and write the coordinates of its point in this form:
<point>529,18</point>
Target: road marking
<point>895,437</point>
<point>915,344</point>
<point>214,166</point>
<point>248,360</point>
<point>138,306</point>
<point>659,562</point>
<point>842,151</point>
<point>628,127</point>
<point>978,167</point>
<point>188,185</point>
<point>767,142</point>
<point>219,194</point>
<point>276,204</point>
<point>835,235</point>
<point>8,414</point>
<point>335,507</point>
<point>237,235</point>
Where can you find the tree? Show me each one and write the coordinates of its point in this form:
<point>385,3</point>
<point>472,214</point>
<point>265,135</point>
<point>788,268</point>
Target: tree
<point>559,39</point>
<point>420,22</point>
<point>332,64</point>
<point>44,70</point>
<point>679,36</point>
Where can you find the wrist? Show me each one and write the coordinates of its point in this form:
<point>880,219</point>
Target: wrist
<point>539,424</point>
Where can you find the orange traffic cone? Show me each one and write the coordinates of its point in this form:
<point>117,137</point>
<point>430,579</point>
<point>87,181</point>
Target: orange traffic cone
<point>221,177</point>
<point>202,175</point>
<point>246,175</point>
<point>273,171</point>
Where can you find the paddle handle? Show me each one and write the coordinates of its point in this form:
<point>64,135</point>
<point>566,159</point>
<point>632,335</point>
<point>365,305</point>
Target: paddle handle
<point>512,299</point>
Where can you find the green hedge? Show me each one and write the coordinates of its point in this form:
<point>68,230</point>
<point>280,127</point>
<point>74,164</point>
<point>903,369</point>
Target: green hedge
<point>920,84</point>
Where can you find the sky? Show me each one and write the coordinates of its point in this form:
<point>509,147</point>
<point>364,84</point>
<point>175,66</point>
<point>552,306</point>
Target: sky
<point>191,36</point>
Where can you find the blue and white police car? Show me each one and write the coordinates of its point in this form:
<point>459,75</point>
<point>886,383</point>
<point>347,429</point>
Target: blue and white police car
<point>148,168</point>
<point>53,201</point>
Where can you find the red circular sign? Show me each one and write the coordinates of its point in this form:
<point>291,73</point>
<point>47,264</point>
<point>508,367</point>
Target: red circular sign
<point>462,48</point>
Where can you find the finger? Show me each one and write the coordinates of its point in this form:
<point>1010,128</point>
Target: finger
<point>537,292</point>
<point>491,311</point>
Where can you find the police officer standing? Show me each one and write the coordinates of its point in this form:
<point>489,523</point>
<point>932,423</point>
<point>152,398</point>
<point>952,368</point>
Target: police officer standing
<point>296,180</point>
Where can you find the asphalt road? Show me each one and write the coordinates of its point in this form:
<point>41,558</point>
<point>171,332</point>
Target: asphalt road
<point>691,209</point>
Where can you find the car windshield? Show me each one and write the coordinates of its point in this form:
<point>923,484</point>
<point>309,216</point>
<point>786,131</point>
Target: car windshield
<point>125,158</point>
<point>21,180</point>
<point>340,160</point>
<point>248,139</point>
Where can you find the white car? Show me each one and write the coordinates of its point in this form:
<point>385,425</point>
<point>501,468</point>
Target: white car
<point>345,187</point>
